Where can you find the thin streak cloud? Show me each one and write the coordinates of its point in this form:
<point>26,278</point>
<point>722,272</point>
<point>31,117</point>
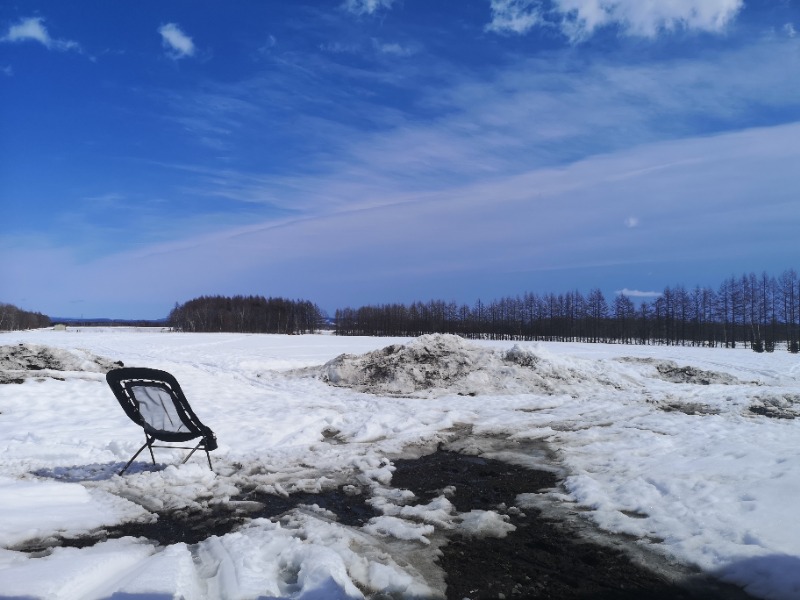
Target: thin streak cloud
<point>637,293</point>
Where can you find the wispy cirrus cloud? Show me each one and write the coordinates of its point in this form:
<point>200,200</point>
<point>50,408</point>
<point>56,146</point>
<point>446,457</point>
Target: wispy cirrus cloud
<point>646,18</point>
<point>177,43</point>
<point>579,19</point>
<point>32,29</point>
<point>515,16</point>
<point>378,47</point>
<point>367,7</point>
<point>463,231</point>
<point>532,114</point>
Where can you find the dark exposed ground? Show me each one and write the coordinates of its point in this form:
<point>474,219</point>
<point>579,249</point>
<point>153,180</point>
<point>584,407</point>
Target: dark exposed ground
<point>543,558</point>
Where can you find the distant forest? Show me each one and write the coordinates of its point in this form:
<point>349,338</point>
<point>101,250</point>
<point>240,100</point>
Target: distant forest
<point>761,312</point>
<point>15,319</point>
<point>246,314</point>
<point>756,311</point>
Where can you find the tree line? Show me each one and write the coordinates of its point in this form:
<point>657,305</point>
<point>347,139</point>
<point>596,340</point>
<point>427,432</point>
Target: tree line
<point>15,319</point>
<point>246,314</point>
<point>754,311</point>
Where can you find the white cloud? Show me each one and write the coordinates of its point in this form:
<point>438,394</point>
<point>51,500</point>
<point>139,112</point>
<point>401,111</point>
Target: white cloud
<point>32,29</point>
<point>646,18</point>
<point>514,16</point>
<point>176,41</point>
<point>789,30</point>
<point>393,48</point>
<point>637,293</point>
<point>579,19</point>
<point>632,222</point>
<point>7,70</point>
<point>366,7</point>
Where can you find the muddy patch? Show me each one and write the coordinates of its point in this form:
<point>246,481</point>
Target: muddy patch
<point>191,526</point>
<point>187,526</point>
<point>542,557</point>
<point>690,408</point>
<point>521,553</point>
<point>347,504</point>
<point>469,482</point>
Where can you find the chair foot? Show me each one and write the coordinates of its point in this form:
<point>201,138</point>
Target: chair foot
<point>139,451</point>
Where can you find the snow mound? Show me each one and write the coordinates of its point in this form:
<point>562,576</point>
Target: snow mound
<point>670,371</point>
<point>485,523</point>
<point>777,406</point>
<point>439,364</point>
<point>21,361</point>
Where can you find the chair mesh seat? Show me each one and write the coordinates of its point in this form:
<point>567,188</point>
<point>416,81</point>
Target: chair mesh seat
<point>157,409</point>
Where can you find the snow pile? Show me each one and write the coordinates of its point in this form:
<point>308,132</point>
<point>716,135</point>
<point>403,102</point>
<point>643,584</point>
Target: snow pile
<point>437,364</point>
<point>419,522</point>
<point>192,487</point>
<point>669,370</point>
<point>20,361</point>
<point>777,406</point>
<point>301,556</point>
<point>485,523</point>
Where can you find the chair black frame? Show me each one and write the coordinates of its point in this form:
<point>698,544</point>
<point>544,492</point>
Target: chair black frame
<point>121,381</point>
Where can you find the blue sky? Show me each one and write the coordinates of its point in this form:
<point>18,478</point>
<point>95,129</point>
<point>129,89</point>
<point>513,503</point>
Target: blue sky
<point>375,151</point>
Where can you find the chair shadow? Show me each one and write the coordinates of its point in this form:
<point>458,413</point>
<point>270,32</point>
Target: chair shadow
<point>96,471</point>
<point>770,576</point>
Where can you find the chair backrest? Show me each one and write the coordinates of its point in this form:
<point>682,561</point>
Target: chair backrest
<point>153,399</point>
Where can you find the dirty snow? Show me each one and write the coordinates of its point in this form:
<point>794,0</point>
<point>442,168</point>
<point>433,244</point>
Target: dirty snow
<point>440,365</point>
<point>693,451</point>
<point>21,361</point>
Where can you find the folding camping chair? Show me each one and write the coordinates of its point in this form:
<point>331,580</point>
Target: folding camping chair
<point>154,400</point>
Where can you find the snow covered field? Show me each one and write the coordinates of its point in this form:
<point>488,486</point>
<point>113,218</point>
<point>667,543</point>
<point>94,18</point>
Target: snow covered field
<point>694,451</point>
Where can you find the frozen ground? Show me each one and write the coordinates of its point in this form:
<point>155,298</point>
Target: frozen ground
<point>694,452</point>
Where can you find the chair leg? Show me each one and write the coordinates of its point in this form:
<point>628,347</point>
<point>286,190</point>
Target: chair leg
<point>188,456</point>
<point>146,444</point>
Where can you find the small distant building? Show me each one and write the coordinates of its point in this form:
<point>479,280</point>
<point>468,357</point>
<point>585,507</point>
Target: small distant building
<point>59,327</point>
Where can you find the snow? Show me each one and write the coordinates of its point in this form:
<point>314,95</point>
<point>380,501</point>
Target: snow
<point>35,509</point>
<point>483,523</point>
<point>694,451</point>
